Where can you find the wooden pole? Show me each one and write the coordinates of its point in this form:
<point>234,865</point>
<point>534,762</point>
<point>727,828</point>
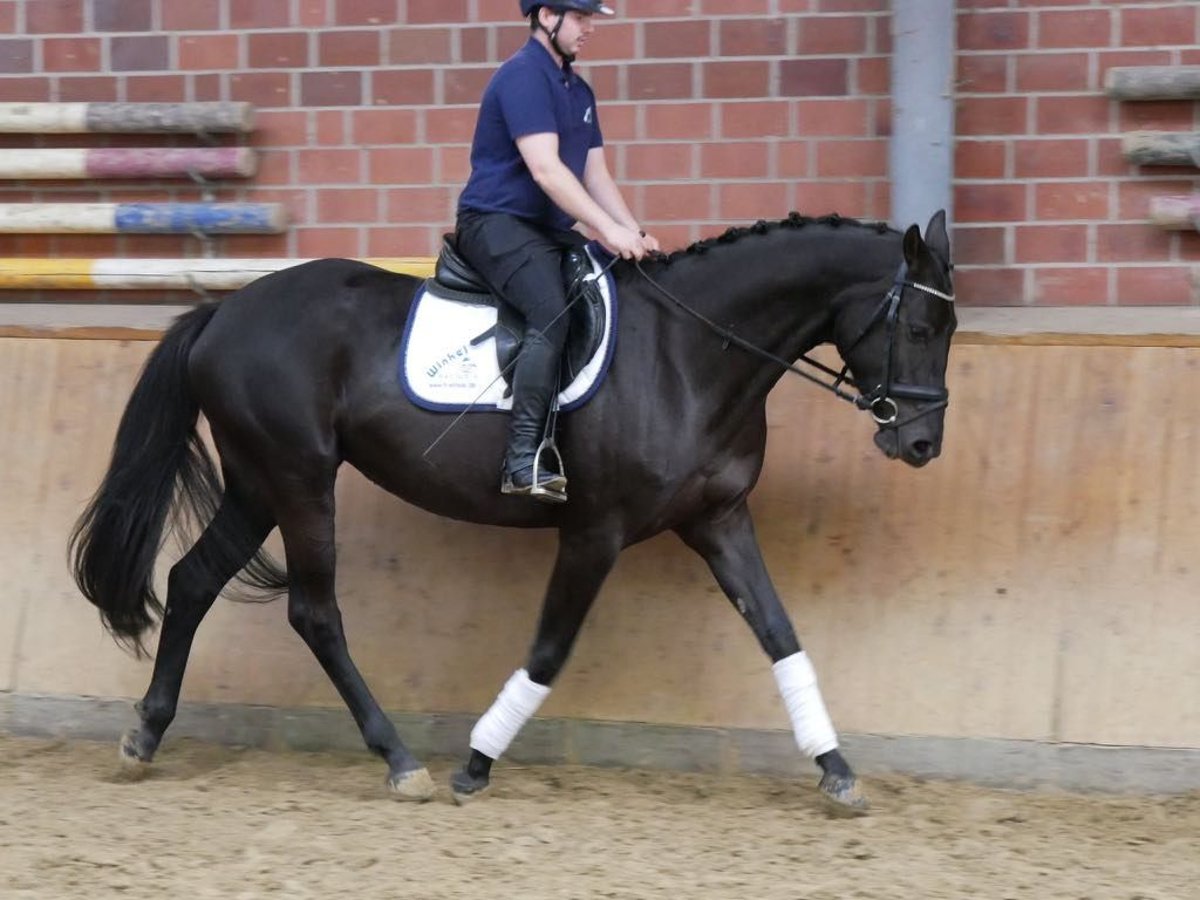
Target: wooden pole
<point>1176,213</point>
<point>72,118</point>
<point>128,162</point>
<point>1161,148</point>
<point>1153,83</point>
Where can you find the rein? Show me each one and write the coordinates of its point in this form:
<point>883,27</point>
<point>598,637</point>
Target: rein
<point>879,401</point>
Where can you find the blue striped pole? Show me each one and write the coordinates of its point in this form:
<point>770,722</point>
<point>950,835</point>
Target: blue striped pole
<point>142,218</point>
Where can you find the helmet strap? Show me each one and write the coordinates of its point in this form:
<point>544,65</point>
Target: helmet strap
<point>567,58</point>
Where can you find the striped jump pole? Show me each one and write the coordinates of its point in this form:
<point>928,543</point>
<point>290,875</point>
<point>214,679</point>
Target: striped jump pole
<point>1181,213</point>
<point>121,162</point>
<point>126,118</point>
<point>165,274</point>
<point>142,218</point>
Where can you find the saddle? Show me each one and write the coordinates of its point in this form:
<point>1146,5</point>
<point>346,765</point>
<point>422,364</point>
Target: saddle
<point>585,314</point>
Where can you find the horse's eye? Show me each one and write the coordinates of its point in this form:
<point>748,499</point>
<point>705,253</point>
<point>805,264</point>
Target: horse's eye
<point>921,334</point>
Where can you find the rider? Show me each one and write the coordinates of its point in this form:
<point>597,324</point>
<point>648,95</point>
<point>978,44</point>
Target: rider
<point>537,168</point>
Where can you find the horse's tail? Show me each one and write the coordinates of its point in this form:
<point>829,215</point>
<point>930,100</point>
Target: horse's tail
<point>160,467</point>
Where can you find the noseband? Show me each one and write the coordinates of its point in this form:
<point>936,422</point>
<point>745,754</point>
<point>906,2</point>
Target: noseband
<point>879,401</point>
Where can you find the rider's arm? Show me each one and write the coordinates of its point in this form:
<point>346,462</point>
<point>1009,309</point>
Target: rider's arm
<point>604,190</point>
<point>540,152</point>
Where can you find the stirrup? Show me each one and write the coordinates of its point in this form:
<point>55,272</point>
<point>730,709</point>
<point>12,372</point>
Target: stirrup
<point>549,487</point>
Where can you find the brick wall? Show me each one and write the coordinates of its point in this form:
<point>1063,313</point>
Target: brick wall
<point>716,112</point>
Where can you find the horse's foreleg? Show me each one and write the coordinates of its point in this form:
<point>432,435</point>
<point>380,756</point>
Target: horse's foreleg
<point>728,545</point>
<point>226,545</point>
<point>584,560</point>
<point>308,537</point>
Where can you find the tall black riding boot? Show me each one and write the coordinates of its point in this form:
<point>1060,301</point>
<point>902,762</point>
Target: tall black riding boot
<point>535,380</point>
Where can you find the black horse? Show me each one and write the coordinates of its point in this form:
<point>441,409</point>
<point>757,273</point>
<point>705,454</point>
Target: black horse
<point>296,374</point>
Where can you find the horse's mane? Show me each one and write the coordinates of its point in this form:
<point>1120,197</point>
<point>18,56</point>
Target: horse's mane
<point>794,220</point>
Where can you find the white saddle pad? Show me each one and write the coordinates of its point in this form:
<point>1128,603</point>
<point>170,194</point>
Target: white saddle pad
<point>442,370</point>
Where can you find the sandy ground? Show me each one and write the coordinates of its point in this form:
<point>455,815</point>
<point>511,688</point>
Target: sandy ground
<point>213,821</point>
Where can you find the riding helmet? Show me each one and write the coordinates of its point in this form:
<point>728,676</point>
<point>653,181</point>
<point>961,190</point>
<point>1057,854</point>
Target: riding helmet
<point>596,7</point>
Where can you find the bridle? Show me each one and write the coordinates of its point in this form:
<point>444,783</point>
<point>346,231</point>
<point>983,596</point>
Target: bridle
<point>878,401</point>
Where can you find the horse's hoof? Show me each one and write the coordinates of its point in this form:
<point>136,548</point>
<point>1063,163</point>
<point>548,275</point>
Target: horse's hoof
<point>415,785</point>
<point>466,788</point>
<point>843,795</point>
<point>135,763</point>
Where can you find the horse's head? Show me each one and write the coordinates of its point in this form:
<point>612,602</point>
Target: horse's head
<point>897,347</point>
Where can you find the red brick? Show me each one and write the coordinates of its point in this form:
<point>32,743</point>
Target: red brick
<point>989,286</point>
<point>138,53</point>
<point>402,87</point>
<point>367,12</point>
<point>605,81</point>
<point>675,202</point>
<point>755,119</point>
<point>1055,158</point>
<point>208,87</point>
<point>16,56</point>
<point>1155,115</point>
<point>329,166</point>
<point>1051,243</point>
<point>53,17</point>
<point>278,50</point>
<point>1072,286</point>
<point>978,246</point>
<point>813,77</point>
<point>495,11</point>
<point>993,31</point>
<point>1156,286</point>
<point>400,165</point>
<point>1171,25</point>
<point>190,15</point>
<point>77,89</point>
<point>982,73</point>
<point>331,127</point>
<point>1132,243</point>
<point>8,18</point>
<point>853,159</point>
<point>313,14</point>
<point>1052,72</point>
<point>347,205</point>
<point>331,88</point>
<point>249,14</point>
<point>752,37</point>
<point>275,167</point>
<point>793,159</point>
<point>71,54</point>
<point>665,9</point>
<point>473,45</point>
<point>672,236</point>
<point>121,15</point>
<point>464,85</point>
<point>864,6</point>
<point>413,46</point>
<point>751,201</point>
<point>818,198</point>
<point>833,118</point>
<point>980,159</point>
<point>1075,28</point>
<point>826,35</point>
<point>1073,115</point>
<point>1071,200</point>
<point>387,126</point>
<point>285,128</point>
<point>269,89</point>
<point>510,40</point>
<point>667,39</point>
<point>989,202</point>
<point>657,162</point>
<point>156,89</point>
<point>674,121</point>
<point>736,159</point>
<point>208,51</point>
<point>453,164</point>
<point>992,115</point>
<point>873,75</point>
<point>1109,59</point>
<point>325,242</point>
<point>734,7</point>
<point>400,240</point>
<point>743,79</point>
<point>1133,197</point>
<point>618,121</point>
<point>429,12</point>
<point>1109,159</point>
<point>449,125</point>
<point>421,204</point>
<point>660,81</point>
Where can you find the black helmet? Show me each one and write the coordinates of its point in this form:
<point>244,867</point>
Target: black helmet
<point>595,7</point>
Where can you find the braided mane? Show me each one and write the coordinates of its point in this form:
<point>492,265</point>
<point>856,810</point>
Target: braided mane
<point>794,220</point>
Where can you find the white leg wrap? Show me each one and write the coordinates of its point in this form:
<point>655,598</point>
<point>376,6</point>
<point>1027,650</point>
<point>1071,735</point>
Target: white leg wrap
<point>797,682</point>
<point>517,702</point>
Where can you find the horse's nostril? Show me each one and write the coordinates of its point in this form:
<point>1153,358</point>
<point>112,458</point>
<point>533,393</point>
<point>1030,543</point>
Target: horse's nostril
<point>922,449</point>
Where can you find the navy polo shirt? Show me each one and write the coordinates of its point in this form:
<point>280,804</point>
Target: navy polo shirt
<point>528,94</point>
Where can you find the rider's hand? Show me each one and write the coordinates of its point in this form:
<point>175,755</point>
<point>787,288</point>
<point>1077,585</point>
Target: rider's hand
<point>650,242</point>
<point>624,242</point>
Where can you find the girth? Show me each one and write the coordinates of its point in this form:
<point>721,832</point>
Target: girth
<point>457,280</point>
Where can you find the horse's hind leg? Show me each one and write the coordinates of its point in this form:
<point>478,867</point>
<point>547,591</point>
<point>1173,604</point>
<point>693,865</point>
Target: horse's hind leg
<point>584,560</point>
<point>227,544</point>
<point>307,526</point>
<point>728,545</point>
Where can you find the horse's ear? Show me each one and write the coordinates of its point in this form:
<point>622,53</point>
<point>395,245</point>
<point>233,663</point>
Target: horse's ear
<point>935,235</point>
<point>912,246</point>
